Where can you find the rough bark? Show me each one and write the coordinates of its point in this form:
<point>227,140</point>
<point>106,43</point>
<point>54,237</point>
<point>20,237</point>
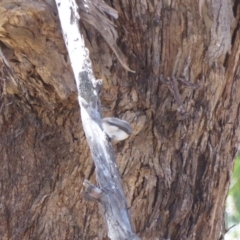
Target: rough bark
<point>175,170</point>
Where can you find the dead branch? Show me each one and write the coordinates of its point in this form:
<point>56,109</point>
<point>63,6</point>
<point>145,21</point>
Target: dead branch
<point>109,192</point>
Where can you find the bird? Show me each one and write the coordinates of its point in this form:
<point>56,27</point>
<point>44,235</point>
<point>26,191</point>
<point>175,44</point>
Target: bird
<point>116,129</point>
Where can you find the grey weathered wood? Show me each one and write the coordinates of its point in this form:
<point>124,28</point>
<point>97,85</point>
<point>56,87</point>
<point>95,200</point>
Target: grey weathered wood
<point>110,194</point>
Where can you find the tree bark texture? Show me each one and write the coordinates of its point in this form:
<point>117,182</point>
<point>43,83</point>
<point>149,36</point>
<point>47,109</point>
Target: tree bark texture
<point>175,169</point>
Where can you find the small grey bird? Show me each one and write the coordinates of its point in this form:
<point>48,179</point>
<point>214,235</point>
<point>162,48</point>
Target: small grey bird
<point>116,129</point>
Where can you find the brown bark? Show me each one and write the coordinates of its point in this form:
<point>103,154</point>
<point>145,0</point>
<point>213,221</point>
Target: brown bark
<point>175,170</point>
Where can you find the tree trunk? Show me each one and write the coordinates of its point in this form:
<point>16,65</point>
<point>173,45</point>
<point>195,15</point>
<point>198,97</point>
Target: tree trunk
<point>176,166</point>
